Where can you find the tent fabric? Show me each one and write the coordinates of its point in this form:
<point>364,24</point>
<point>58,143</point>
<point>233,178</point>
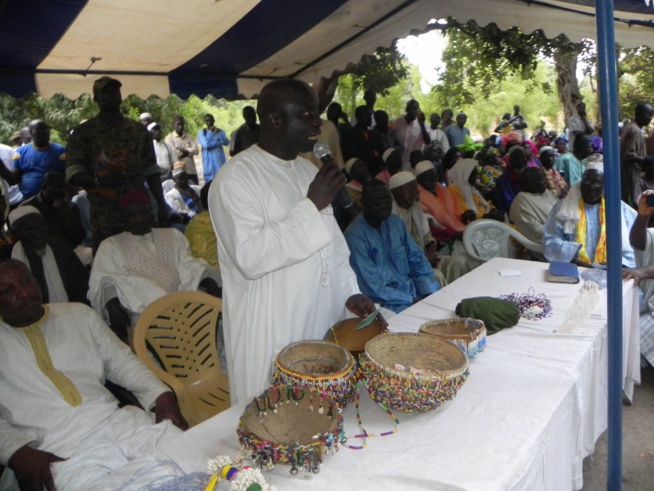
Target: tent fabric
<point>230,48</point>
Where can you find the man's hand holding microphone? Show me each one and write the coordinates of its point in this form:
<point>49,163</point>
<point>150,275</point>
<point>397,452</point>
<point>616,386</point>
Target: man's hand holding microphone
<point>329,182</point>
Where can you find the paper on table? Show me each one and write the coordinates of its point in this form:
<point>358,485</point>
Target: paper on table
<point>510,272</point>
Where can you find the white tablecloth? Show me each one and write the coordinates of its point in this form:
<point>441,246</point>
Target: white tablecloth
<point>531,410</point>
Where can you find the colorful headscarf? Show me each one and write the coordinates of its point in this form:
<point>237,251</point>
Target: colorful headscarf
<point>596,143</point>
<point>534,150</point>
<point>487,156</point>
<point>509,138</point>
<point>469,145</point>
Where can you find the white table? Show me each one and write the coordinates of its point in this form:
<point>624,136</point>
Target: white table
<point>531,410</point>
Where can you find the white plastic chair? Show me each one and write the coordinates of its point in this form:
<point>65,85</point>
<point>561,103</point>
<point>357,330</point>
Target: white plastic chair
<point>485,239</point>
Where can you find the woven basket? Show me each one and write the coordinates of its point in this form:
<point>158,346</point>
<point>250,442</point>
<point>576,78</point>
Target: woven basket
<point>291,425</point>
<point>345,334</point>
<point>318,364</point>
<point>468,334</point>
<point>410,392</point>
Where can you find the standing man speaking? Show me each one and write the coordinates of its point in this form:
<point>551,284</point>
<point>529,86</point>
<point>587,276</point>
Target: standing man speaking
<point>284,262</point>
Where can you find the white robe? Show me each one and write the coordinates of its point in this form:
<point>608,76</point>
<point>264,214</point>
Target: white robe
<point>173,268</point>
<point>285,265</point>
<point>95,436</point>
<point>176,201</point>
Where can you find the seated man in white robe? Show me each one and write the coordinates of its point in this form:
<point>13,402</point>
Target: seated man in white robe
<point>59,426</point>
<point>58,270</point>
<point>575,230</point>
<point>134,268</point>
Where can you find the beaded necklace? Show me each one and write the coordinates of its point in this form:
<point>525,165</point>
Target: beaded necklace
<point>531,306</point>
<point>364,435</point>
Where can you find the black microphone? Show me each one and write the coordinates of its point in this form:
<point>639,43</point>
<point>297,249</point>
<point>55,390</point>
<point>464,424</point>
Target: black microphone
<point>324,154</point>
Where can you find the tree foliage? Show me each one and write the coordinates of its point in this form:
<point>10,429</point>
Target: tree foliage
<point>482,57</point>
<point>636,82</point>
<point>381,71</point>
<point>63,114</point>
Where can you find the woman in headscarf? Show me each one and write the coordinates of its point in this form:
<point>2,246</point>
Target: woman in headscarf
<point>532,153</point>
<point>508,185</point>
<point>492,167</point>
<point>463,176</point>
<point>596,144</point>
<point>560,146</point>
<point>451,157</point>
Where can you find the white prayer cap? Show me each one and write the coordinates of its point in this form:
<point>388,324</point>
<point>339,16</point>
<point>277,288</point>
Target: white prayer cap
<point>20,211</point>
<point>544,148</point>
<point>387,153</point>
<point>401,178</point>
<point>423,166</point>
<point>152,125</point>
<point>595,162</point>
<point>145,116</point>
<point>349,164</point>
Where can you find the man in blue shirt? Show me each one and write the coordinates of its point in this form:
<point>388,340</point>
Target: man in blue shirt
<point>212,140</point>
<point>391,269</point>
<point>456,133</point>
<point>34,160</point>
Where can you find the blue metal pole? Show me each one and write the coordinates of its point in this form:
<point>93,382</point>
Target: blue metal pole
<point>609,102</point>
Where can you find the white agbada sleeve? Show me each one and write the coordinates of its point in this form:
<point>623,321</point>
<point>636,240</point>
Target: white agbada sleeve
<point>258,247</point>
<point>84,349</point>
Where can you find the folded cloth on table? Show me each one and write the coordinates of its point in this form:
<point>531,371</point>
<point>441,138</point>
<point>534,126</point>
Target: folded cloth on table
<point>496,314</point>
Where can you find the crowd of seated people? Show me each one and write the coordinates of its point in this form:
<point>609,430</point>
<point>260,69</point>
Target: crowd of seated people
<point>92,228</point>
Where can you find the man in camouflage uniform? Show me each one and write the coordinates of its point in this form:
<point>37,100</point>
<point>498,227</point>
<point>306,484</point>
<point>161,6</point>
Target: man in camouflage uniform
<point>110,155</point>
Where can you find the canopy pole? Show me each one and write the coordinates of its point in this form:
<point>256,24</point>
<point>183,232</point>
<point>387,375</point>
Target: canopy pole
<point>609,104</point>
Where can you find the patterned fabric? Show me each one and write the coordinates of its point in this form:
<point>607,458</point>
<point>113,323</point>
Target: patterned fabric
<point>599,255</point>
<point>202,239</point>
<point>647,337</point>
<point>556,183</point>
<point>160,267</point>
<point>100,149</point>
<point>490,174</point>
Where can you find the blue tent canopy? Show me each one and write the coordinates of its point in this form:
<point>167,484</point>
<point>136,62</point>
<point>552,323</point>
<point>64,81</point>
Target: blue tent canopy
<point>230,48</point>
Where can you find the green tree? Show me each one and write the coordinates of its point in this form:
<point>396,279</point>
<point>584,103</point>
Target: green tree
<point>636,83</point>
<point>379,72</point>
<point>481,57</point>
